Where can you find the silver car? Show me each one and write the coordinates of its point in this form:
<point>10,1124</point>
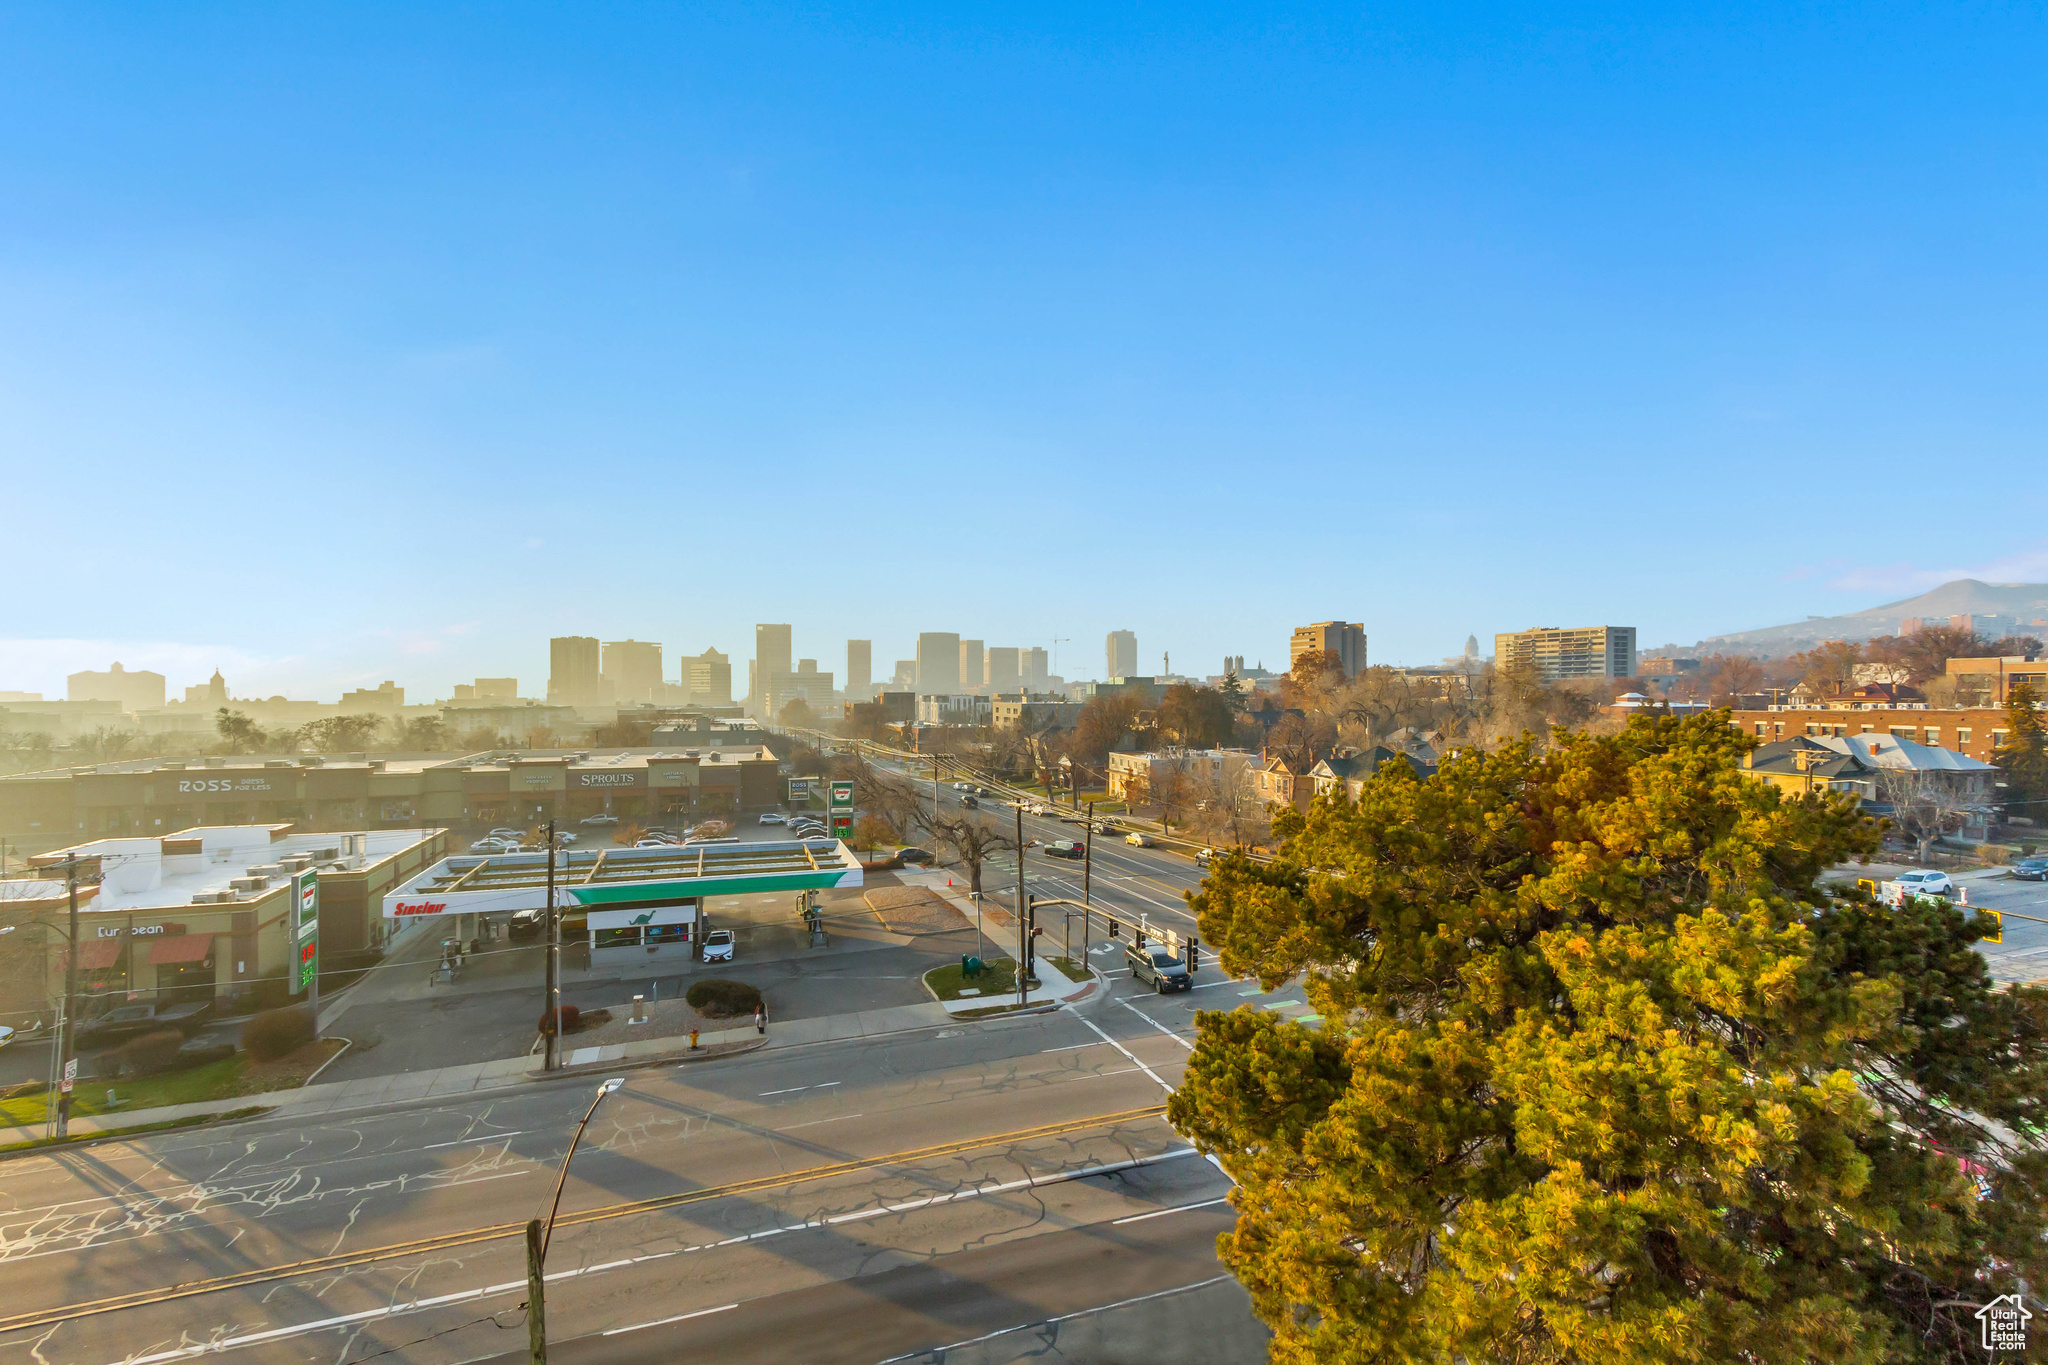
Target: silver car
<point>718,945</point>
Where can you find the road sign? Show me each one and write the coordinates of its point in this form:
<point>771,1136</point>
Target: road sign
<point>306,926</point>
<point>70,1075</point>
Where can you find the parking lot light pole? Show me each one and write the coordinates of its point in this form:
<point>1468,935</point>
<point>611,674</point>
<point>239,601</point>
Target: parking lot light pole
<point>68,1026</point>
<point>552,1010</point>
<point>538,1232</point>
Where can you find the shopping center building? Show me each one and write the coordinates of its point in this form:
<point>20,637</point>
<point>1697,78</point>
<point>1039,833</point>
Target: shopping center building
<point>152,797</point>
<point>206,912</point>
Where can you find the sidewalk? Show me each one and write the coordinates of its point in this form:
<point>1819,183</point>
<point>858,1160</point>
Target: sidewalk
<point>320,1101</point>
<point>999,927</point>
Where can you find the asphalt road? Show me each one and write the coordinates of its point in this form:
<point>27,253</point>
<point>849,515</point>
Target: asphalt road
<point>874,1198</point>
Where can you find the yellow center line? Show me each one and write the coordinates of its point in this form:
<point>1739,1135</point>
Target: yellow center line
<point>627,1209</point>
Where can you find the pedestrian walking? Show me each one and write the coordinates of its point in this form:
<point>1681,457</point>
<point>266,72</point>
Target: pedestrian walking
<point>761,1019</point>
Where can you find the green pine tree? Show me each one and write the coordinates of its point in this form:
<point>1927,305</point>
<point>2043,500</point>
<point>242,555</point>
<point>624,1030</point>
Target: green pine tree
<point>1608,1075</point>
<point>2023,758</point>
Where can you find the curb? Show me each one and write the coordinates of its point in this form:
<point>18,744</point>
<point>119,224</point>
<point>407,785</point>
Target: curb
<point>346,1044</point>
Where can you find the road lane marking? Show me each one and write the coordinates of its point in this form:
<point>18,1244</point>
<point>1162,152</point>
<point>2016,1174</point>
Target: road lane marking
<point>629,1208</point>
<point>821,1085</point>
<point>1070,1047</point>
<point>662,1322</point>
<point>939,1352</point>
<point>1161,1213</point>
<point>1127,1052</point>
<point>815,1122</point>
<point>1156,1024</point>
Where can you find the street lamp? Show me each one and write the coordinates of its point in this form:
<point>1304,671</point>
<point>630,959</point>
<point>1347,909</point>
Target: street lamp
<point>538,1233</point>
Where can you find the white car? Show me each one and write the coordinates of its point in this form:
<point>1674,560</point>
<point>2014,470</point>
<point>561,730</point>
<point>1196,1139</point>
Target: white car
<point>515,835</point>
<point>963,786</point>
<point>769,817</point>
<point>718,946</point>
<point>655,843</point>
<point>1921,883</point>
<point>6,1035</point>
<point>1138,840</point>
<point>565,839</point>
<point>489,846</point>
<point>599,820</point>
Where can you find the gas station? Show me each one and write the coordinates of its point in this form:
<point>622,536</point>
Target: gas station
<point>624,902</point>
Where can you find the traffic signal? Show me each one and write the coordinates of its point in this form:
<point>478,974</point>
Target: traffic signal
<point>1194,954</point>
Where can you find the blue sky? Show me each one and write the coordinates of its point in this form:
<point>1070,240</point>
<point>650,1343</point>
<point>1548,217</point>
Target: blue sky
<point>342,343</point>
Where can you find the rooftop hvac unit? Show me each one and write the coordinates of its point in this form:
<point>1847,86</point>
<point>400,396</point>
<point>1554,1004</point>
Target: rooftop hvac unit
<point>266,870</point>
<point>325,855</point>
<point>212,897</point>
<point>277,763</point>
<point>354,845</point>
<point>249,883</point>
<point>377,765</point>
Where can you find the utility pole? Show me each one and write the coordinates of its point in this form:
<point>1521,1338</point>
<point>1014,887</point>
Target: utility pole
<point>1087,878</point>
<point>1023,930</point>
<point>552,1009</point>
<point>69,1027</point>
<point>539,1232</point>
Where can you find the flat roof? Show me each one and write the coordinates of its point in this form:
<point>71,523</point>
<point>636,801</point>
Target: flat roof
<point>577,760</point>
<point>157,872</point>
<point>490,883</point>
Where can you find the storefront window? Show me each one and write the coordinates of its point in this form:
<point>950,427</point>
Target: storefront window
<point>615,938</point>
<point>668,933</point>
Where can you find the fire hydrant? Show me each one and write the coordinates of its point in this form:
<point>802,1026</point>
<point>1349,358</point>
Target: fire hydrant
<point>693,1038</point>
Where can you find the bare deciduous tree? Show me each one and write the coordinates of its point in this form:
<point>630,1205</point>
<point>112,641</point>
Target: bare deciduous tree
<point>972,838</point>
<point>1925,805</point>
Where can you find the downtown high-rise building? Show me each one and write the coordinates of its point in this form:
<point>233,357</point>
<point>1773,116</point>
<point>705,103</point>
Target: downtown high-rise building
<point>1553,655</point>
<point>771,656</point>
<point>1035,667</point>
<point>1121,654</point>
<point>1344,639</point>
<point>631,669</point>
<point>1005,670</point>
<point>706,678</point>
<point>860,669</point>
<point>973,667</point>
<point>938,663</point>
<point>574,678</point>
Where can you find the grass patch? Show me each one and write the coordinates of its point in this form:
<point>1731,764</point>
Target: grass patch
<point>139,1129</point>
<point>1071,968</point>
<point>947,983</point>
<point>224,1079</point>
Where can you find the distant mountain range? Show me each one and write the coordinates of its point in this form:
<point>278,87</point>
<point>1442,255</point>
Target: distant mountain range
<point>2027,602</point>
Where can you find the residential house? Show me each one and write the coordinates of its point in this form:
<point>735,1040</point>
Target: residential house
<point>1349,771</point>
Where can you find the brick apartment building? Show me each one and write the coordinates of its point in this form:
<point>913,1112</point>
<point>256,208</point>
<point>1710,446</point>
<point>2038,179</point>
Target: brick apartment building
<point>1973,731</point>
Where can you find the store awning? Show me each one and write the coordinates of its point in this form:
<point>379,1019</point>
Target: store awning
<point>99,954</point>
<point>165,952</point>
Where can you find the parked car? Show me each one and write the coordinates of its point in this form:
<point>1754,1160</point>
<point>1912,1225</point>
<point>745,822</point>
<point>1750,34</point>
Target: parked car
<point>565,839</point>
<point>1138,839</point>
<point>599,820</point>
<point>526,923</point>
<point>770,817</point>
<point>914,855</point>
<point>515,835</point>
<point>1161,968</point>
<point>2031,869</point>
<point>6,1035</point>
<point>1921,883</point>
<point>488,845</point>
<point>718,945</point>
<point>655,843</point>
<point>1065,848</point>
